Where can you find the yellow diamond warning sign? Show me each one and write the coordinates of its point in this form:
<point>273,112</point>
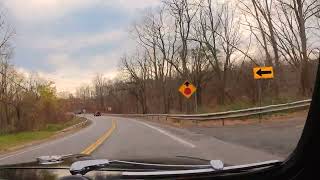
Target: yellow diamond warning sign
<point>187,89</point>
<point>263,72</point>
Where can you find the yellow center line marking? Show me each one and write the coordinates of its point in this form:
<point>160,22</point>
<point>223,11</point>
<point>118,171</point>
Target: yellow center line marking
<point>99,141</point>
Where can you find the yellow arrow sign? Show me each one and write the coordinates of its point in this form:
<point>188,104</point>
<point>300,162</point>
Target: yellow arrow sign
<point>187,89</point>
<point>263,73</point>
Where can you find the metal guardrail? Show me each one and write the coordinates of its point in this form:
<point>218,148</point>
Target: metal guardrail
<point>229,114</point>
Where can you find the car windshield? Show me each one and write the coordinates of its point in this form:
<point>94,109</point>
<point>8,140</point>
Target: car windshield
<point>177,82</point>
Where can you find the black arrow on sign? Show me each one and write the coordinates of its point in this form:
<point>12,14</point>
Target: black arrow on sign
<point>187,83</point>
<point>260,72</point>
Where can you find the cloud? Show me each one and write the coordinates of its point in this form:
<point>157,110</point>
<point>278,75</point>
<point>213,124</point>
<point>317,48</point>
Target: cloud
<point>132,4</point>
<point>46,10</point>
<point>76,42</point>
<point>35,10</point>
<point>70,41</point>
<point>69,75</point>
<point>69,67</point>
<point>71,71</point>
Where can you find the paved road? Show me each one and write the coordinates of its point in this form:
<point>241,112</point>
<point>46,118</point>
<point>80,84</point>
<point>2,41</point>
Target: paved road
<point>73,143</point>
<point>140,141</point>
<point>279,138</point>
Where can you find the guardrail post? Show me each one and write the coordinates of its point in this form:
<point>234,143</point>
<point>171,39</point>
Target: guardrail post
<point>195,122</point>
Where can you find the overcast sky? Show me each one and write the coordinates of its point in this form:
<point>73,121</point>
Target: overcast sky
<point>69,41</point>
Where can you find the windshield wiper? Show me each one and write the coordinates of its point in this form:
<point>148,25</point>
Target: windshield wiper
<point>82,167</point>
<point>194,158</point>
<point>199,172</point>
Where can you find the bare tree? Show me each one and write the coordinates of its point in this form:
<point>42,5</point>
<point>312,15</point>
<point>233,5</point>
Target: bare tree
<point>295,16</point>
<point>137,69</point>
<point>229,39</point>
<point>200,72</point>
<point>218,34</point>
<point>99,84</point>
<point>158,43</point>
<point>183,13</point>
<point>203,41</point>
<point>6,35</point>
<point>264,32</point>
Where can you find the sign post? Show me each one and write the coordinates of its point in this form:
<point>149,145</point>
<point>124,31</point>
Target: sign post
<point>196,101</point>
<point>259,97</point>
<point>260,73</point>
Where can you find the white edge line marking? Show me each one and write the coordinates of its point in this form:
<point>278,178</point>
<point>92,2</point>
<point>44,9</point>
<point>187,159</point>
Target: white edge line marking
<point>168,134</point>
<point>46,144</point>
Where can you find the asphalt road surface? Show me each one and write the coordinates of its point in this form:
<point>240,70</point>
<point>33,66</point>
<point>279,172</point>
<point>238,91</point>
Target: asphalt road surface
<point>278,138</point>
<point>145,142</point>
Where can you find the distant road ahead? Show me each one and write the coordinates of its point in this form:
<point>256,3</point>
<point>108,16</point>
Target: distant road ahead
<point>140,141</point>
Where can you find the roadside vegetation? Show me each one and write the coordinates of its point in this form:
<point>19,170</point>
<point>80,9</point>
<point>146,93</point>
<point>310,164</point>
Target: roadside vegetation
<point>29,105</point>
<point>12,140</point>
<point>215,46</point>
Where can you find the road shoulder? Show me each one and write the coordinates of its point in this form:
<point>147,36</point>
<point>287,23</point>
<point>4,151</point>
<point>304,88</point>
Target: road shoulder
<point>209,147</point>
<point>276,135</point>
<point>73,128</point>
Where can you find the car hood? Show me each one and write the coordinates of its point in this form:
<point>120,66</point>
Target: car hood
<point>35,170</point>
<point>51,174</point>
<point>66,162</point>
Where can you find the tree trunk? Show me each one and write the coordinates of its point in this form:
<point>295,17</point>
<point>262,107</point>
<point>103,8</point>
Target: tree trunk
<point>305,77</point>
<point>164,98</point>
<point>221,89</point>
<point>180,103</point>
<point>199,95</point>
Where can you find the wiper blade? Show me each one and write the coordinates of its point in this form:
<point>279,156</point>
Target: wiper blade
<point>197,172</point>
<point>160,166</point>
<point>82,167</point>
<point>215,164</point>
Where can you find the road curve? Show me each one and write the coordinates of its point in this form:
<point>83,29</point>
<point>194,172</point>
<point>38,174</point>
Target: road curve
<point>142,141</point>
<point>151,142</point>
<point>70,144</point>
